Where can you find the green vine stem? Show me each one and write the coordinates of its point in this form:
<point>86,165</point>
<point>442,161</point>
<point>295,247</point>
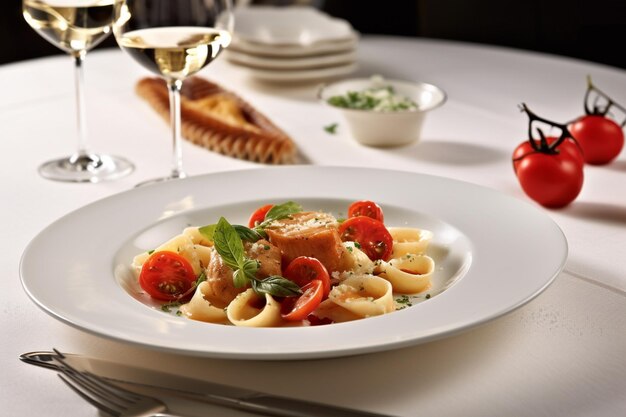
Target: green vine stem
<point>544,146</point>
<point>591,88</point>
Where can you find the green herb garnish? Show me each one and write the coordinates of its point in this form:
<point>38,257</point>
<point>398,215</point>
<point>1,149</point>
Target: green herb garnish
<point>229,245</point>
<point>277,212</point>
<point>167,307</point>
<point>403,301</point>
<point>378,98</point>
<point>331,128</point>
<point>245,233</point>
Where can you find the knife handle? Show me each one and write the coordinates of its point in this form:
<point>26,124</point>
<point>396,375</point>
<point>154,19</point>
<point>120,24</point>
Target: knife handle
<point>287,407</point>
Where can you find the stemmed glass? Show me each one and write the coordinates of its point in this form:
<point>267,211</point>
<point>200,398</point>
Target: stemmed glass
<point>174,39</point>
<point>76,26</point>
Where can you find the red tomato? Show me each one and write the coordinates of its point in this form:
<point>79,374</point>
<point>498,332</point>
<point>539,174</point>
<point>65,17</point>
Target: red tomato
<point>600,138</point>
<point>259,215</point>
<point>298,309</point>
<point>366,208</point>
<point>372,235</point>
<point>568,146</point>
<point>552,180</point>
<point>166,276</point>
<point>303,270</point>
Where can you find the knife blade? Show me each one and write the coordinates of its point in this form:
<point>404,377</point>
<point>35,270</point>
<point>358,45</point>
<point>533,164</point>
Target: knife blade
<point>196,390</point>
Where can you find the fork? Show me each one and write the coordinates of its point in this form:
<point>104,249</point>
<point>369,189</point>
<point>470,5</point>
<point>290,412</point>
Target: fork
<point>110,398</point>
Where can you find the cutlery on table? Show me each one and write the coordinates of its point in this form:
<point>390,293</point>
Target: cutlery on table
<point>108,398</point>
<point>216,394</point>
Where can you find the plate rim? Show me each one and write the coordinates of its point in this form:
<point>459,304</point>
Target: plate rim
<point>377,345</point>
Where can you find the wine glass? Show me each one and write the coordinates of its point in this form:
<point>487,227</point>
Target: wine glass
<point>76,26</point>
<point>174,39</point>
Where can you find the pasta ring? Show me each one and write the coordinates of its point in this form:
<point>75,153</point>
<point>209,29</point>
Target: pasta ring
<point>409,274</point>
<point>242,312</point>
<point>409,240</point>
<point>200,307</point>
<point>364,295</point>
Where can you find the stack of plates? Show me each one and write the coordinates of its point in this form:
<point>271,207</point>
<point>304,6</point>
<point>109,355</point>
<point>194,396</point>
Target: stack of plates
<point>290,44</point>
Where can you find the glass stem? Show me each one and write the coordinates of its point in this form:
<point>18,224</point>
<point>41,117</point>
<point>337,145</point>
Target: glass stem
<point>174,87</point>
<point>80,104</point>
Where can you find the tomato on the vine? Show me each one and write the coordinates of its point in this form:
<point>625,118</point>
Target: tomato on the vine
<point>371,235</point>
<point>259,215</point>
<point>167,276</point>
<point>304,269</point>
<point>552,180</point>
<point>600,138</point>
<point>550,169</point>
<point>297,309</point>
<point>569,147</point>
<point>366,208</point>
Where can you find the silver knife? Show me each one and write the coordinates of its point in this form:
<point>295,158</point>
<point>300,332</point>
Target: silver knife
<point>202,391</point>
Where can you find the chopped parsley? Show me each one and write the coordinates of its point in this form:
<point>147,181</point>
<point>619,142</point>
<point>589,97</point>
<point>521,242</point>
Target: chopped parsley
<point>331,128</point>
<point>167,307</point>
<point>403,301</point>
<point>380,97</point>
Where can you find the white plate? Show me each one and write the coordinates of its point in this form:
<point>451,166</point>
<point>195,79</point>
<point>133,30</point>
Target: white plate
<point>300,75</point>
<point>260,49</point>
<point>314,62</point>
<point>288,25</point>
<point>493,252</point>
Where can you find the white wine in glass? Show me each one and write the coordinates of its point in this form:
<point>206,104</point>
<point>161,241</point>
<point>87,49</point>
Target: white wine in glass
<point>76,26</point>
<point>174,39</point>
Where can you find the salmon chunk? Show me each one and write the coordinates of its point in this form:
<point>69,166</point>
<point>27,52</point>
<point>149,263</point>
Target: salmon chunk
<point>221,289</point>
<point>313,234</point>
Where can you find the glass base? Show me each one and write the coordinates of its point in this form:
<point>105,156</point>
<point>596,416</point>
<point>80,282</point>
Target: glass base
<point>173,176</point>
<point>86,168</point>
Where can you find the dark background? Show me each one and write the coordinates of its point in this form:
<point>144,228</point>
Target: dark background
<point>585,29</point>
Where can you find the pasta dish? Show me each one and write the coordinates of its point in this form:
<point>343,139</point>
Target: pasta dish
<point>289,267</point>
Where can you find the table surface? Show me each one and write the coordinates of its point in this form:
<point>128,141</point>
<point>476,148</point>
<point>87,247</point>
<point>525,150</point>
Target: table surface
<point>562,354</point>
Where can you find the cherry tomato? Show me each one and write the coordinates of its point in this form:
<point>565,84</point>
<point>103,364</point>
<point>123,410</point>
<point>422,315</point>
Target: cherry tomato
<point>366,208</point>
<point>552,180</point>
<point>303,270</point>
<point>298,309</point>
<point>600,138</point>
<point>373,237</point>
<point>568,146</point>
<point>166,276</point>
<point>259,215</point>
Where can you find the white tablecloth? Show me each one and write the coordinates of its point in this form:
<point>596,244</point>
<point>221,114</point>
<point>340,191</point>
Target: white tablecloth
<point>561,354</point>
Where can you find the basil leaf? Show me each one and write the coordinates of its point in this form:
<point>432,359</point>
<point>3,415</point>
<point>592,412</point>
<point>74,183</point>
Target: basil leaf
<point>247,234</point>
<point>280,211</point>
<point>228,244</point>
<point>244,232</point>
<point>239,278</point>
<point>249,268</point>
<point>277,286</point>
<point>208,231</point>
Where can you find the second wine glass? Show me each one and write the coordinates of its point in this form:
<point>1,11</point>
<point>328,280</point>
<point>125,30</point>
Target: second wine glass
<point>174,39</point>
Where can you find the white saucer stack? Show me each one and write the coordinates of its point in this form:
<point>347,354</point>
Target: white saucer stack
<point>292,44</point>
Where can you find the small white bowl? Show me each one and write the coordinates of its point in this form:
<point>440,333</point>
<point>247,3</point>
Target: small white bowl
<point>386,128</point>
